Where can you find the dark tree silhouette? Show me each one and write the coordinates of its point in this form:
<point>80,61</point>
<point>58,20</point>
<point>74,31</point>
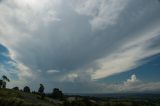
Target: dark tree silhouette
<point>5,78</point>
<point>4,84</point>
<point>57,94</point>
<point>41,89</point>
<point>3,81</point>
<point>16,88</point>
<point>26,89</point>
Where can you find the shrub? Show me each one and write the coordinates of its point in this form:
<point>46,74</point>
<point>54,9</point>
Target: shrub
<point>26,89</point>
<point>15,88</point>
<point>57,94</point>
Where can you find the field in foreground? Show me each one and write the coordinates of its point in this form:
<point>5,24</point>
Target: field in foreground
<point>10,97</point>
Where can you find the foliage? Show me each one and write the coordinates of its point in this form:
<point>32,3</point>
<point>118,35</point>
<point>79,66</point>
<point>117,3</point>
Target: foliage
<point>26,89</point>
<point>5,78</point>
<point>3,81</point>
<point>16,88</point>
<point>9,97</point>
<point>41,89</point>
<point>57,94</point>
<point>16,97</point>
<point>14,102</point>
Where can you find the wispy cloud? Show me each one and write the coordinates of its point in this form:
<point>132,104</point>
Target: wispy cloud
<point>129,55</point>
<point>52,71</point>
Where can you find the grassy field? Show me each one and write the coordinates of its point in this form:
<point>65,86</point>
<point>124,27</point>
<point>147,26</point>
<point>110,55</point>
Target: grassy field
<point>9,97</point>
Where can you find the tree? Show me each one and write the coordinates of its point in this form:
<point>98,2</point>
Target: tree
<point>26,89</point>
<point>41,89</point>
<point>5,78</point>
<point>57,94</point>
<point>16,88</point>
<point>4,84</point>
<point>3,81</point>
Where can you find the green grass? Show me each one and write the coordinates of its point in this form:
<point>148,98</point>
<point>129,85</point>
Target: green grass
<point>9,97</point>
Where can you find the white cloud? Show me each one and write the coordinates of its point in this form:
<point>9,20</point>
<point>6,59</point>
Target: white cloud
<point>69,77</point>
<point>131,85</point>
<point>132,80</point>
<point>104,12</point>
<point>135,85</point>
<point>52,71</point>
<point>19,19</point>
<point>51,17</point>
<point>128,56</point>
<point>24,71</point>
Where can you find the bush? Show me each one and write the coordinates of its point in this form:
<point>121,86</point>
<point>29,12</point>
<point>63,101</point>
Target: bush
<point>15,88</point>
<point>14,102</point>
<point>26,89</point>
<point>57,94</point>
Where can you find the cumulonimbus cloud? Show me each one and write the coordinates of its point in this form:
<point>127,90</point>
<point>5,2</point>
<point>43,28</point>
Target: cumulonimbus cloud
<point>100,40</point>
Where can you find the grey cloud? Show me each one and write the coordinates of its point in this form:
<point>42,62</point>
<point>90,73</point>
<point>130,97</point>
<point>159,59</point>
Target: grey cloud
<point>68,43</point>
<point>74,46</point>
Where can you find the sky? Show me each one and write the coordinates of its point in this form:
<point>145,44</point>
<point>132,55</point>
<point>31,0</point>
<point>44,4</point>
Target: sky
<point>82,46</point>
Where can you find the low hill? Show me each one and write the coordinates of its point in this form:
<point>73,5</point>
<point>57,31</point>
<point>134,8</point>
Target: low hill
<point>9,97</point>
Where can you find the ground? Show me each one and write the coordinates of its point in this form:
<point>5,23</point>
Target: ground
<point>29,99</point>
<point>9,97</point>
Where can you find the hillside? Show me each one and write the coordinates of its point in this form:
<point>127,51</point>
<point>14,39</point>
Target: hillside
<point>10,97</point>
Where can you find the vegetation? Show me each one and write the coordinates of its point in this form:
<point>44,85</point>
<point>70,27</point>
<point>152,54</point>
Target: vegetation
<point>89,101</point>
<point>10,97</point>
<point>26,89</point>
<point>15,88</point>
<point>16,97</point>
<point>3,81</point>
<point>41,91</point>
<point>41,88</point>
<point>57,94</point>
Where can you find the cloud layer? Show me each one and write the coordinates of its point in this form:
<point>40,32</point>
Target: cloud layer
<point>71,43</point>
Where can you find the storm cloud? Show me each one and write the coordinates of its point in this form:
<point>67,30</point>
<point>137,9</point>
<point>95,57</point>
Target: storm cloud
<point>71,42</point>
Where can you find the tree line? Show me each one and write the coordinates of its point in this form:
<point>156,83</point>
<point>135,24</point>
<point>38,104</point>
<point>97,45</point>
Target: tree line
<point>56,93</point>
